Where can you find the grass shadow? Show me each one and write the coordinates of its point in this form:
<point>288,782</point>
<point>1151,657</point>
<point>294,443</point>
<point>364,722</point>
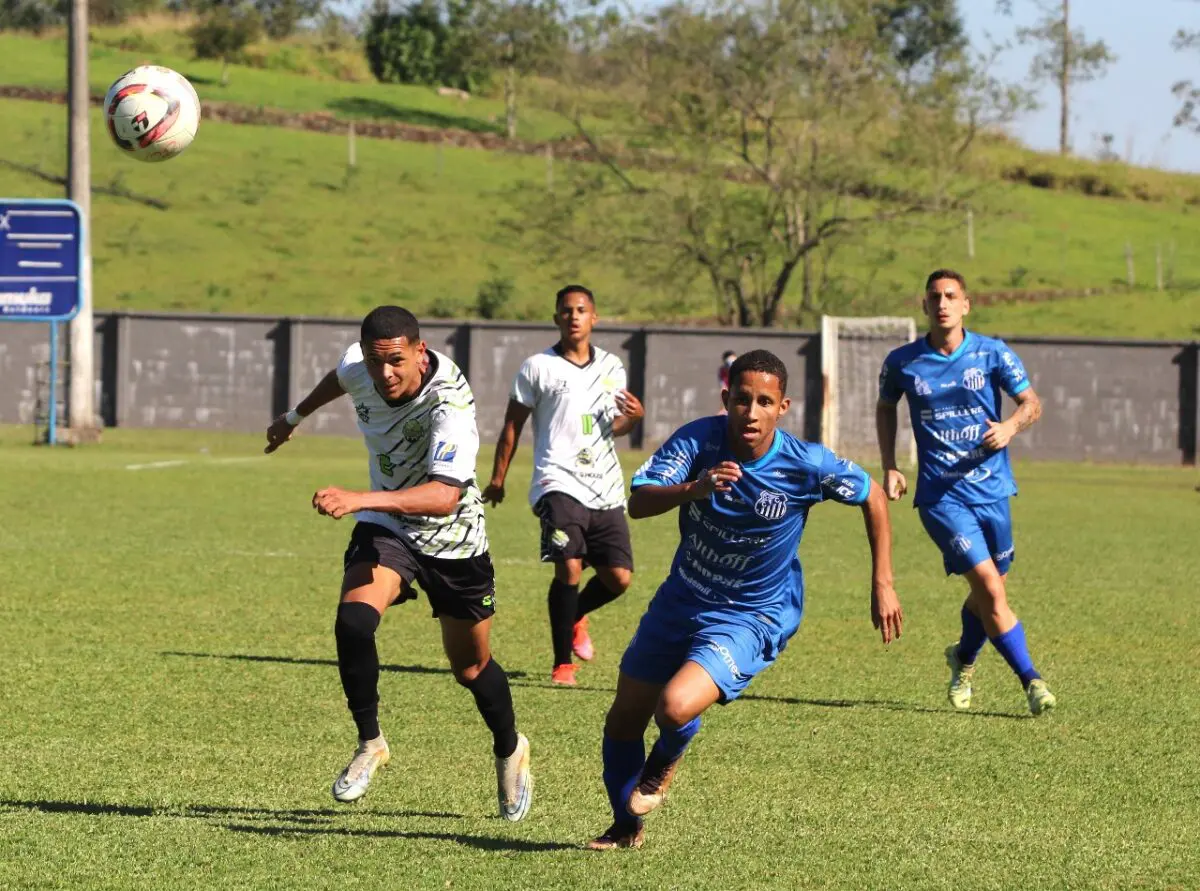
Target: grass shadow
<point>885,704</point>
<point>300,660</point>
<point>306,817</point>
<point>482,842</point>
<point>198,79</point>
<point>374,109</point>
<point>203,811</point>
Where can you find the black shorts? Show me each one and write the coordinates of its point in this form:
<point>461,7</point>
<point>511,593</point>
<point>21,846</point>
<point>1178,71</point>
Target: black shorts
<point>571,531</point>
<point>461,589</point>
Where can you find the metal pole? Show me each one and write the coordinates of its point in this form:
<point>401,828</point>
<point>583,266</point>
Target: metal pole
<point>52,420</point>
<point>81,407</point>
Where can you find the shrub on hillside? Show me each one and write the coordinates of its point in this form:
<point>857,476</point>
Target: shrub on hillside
<point>222,33</point>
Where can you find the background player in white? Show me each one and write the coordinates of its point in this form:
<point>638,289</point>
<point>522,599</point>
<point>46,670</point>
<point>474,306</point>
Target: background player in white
<point>421,521</point>
<point>577,396</point>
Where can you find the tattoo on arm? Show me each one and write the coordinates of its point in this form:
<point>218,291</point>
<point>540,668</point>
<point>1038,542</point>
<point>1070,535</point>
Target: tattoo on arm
<point>1026,414</point>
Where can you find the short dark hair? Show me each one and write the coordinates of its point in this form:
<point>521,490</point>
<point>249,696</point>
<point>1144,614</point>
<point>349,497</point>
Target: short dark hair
<point>573,289</point>
<point>945,273</point>
<point>725,355</point>
<point>388,322</point>
<point>762,361</point>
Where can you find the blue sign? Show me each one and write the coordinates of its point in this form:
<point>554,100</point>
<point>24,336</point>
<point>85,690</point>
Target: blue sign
<point>41,258</point>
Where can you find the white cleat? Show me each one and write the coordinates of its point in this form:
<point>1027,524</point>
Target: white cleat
<point>959,691</point>
<point>370,755</point>
<point>514,785</point>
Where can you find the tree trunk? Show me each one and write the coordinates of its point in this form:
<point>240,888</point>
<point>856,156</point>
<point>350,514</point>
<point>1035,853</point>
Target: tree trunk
<point>510,102</point>
<point>1064,80</point>
<point>224,71</point>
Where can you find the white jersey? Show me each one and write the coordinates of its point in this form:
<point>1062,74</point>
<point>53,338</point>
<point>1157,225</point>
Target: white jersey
<point>429,437</point>
<point>573,412</point>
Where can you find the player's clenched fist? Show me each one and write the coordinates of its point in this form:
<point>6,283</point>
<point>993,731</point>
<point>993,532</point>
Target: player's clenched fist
<point>717,479</point>
<point>335,502</point>
<point>894,485</point>
<point>278,433</point>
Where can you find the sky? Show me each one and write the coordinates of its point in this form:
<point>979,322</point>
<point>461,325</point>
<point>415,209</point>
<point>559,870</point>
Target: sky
<point>1133,101</point>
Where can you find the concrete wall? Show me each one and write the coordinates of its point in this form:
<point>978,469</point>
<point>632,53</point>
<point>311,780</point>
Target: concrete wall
<point>1105,400</point>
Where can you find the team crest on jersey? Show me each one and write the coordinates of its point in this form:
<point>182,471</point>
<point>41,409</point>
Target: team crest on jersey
<point>974,379</point>
<point>386,465</point>
<point>363,411</point>
<point>585,458</point>
<point>771,505</point>
<point>413,430</point>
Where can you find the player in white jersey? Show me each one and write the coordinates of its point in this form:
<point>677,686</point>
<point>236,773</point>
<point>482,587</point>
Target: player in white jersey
<point>421,522</point>
<point>577,395</point>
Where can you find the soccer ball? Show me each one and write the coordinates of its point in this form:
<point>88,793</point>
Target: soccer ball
<point>152,113</point>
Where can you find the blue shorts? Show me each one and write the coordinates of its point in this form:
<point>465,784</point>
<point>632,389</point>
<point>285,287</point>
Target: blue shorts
<point>969,534</point>
<point>732,648</point>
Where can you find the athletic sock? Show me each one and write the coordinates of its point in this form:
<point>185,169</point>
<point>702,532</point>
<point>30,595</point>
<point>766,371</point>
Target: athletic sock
<point>593,596</point>
<point>493,698</point>
<point>1011,645</point>
<point>672,743</point>
<point>358,664</point>
<point>973,638</point>
<point>623,762</point>
<point>563,601</point>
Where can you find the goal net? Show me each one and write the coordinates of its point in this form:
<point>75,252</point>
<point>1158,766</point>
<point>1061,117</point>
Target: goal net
<point>852,354</point>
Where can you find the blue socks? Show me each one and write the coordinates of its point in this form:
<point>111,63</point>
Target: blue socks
<point>672,742</point>
<point>1011,645</point>
<point>623,762</point>
<point>973,638</point>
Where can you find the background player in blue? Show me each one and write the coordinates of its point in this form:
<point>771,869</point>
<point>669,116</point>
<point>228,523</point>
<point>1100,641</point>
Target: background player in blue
<point>735,593</point>
<point>953,379</point>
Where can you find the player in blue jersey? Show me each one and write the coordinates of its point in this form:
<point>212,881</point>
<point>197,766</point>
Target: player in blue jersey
<point>735,592</point>
<point>953,379</point>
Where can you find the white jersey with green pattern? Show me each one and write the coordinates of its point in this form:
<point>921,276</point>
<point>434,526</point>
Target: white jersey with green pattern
<point>574,451</point>
<point>431,436</point>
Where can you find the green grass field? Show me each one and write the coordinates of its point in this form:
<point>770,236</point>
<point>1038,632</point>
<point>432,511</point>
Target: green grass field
<point>172,713</point>
<point>265,220</point>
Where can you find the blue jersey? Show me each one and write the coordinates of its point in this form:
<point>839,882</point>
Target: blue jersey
<point>950,400</point>
<point>737,549</point>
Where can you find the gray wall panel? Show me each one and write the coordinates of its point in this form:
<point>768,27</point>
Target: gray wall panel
<point>682,382</point>
<point>199,371</point>
<point>1103,402</point>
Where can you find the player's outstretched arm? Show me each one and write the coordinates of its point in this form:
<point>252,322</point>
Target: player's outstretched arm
<point>1029,409</point>
<point>886,423</point>
<point>431,499</point>
<point>650,501</point>
<point>886,614</point>
<point>281,429</point>
<point>506,446</point>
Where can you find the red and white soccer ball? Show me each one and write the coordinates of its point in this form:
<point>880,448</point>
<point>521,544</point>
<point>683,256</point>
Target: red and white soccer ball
<point>152,113</point>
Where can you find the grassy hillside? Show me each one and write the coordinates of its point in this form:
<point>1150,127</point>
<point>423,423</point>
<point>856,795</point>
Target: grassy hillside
<point>265,220</point>
<point>43,63</point>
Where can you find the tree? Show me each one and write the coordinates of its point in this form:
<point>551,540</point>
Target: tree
<point>223,31</point>
<point>280,17</point>
<point>767,131</point>
<point>519,37</point>
<point>1186,91</point>
<point>1066,57</point>
<point>425,43</point>
<point>921,33</point>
